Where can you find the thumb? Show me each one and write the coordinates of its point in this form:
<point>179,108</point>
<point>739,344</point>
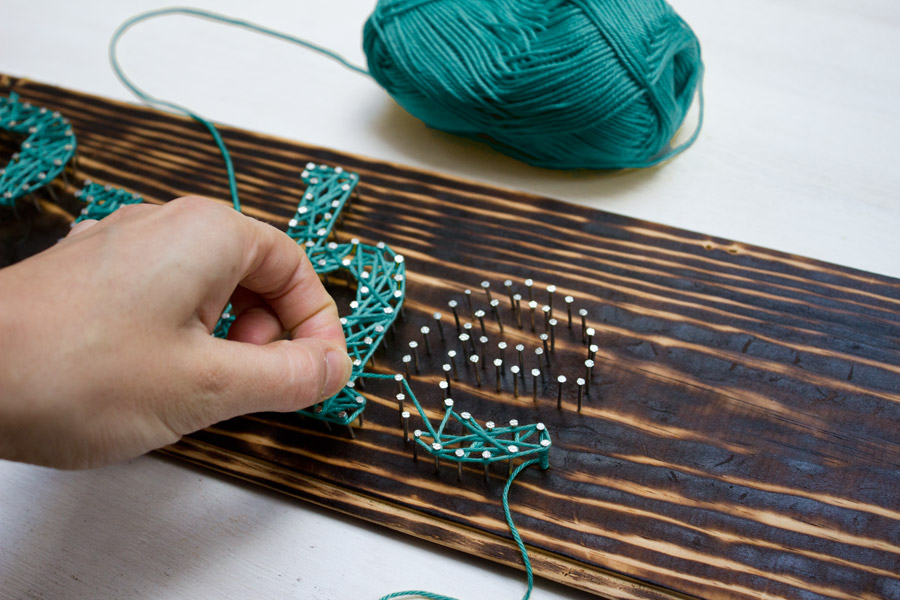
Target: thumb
<point>236,378</point>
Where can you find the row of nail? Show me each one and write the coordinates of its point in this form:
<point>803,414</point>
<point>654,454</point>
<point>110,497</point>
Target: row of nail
<point>485,455</point>
<point>516,375</point>
<point>516,301</point>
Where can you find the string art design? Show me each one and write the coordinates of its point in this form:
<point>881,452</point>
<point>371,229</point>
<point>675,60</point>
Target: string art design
<point>473,444</point>
<point>103,200</point>
<point>49,145</point>
<point>380,277</point>
<point>379,273</point>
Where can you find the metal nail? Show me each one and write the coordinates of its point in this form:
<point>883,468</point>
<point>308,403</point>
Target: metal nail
<point>460,453</point>
<point>551,289</point>
<point>439,325</point>
<point>437,457</point>
<point>462,424</point>
<point>592,351</point>
<point>590,335</point>
<point>517,310</point>
<point>560,380</point>
<point>414,346</point>
<point>479,314</point>
<point>535,373</point>
<point>486,455</point>
<point>445,388</point>
<point>529,284</point>
<point>360,401</point>
<point>508,285</point>
<point>399,379</point>
<point>580,382</point>
<point>532,306</point>
<point>589,368</point>
<point>514,370</point>
<point>520,348</point>
<point>401,398</point>
<point>405,416</point>
<point>498,366</point>
<point>495,308</point>
<point>451,354</point>
<point>446,368</point>
<point>486,286</point>
<point>416,435</point>
<point>553,335</point>
<point>474,360</point>
<point>468,294</point>
<point>406,360</point>
<point>425,331</point>
<point>569,301</point>
<point>545,340</point>
<point>582,312</point>
<point>512,450</point>
<point>463,342</point>
<point>453,304</point>
<point>343,415</point>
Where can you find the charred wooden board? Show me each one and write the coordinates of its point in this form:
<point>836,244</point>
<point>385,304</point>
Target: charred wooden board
<point>741,439</point>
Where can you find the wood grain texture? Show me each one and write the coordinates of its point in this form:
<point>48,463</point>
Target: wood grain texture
<point>741,436</point>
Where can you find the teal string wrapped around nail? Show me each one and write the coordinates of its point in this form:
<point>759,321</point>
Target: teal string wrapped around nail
<point>563,84</point>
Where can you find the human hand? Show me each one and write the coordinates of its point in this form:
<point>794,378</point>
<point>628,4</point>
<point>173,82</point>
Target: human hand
<point>105,345</point>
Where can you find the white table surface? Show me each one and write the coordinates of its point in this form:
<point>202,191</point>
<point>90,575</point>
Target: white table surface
<point>799,153</point>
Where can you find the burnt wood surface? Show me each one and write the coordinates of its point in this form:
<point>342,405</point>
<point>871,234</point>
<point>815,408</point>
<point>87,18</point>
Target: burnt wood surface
<point>742,435</point>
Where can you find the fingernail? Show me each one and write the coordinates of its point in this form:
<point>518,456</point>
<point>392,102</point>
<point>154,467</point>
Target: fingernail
<point>337,368</point>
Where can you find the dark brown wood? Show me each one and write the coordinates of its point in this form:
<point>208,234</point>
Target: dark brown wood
<point>741,435</point>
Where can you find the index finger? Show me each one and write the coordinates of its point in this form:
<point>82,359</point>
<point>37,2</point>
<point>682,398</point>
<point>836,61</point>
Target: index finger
<point>278,269</point>
<point>257,257</point>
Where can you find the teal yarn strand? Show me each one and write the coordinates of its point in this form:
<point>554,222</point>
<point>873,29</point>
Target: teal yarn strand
<point>563,84</point>
<point>172,107</point>
<point>512,529</point>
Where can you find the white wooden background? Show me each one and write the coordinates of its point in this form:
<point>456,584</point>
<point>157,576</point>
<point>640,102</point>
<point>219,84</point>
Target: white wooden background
<point>799,153</point>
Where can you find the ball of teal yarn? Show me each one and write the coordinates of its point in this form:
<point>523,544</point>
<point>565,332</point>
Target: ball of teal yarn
<point>563,84</point>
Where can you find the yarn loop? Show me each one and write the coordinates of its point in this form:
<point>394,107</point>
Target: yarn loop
<point>556,83</point>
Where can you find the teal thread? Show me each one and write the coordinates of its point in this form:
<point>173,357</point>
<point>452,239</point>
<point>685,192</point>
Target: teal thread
<point>172,107</point>
<point>224,322</point>
<point>563,84</point>
<point>103,200</point>
<point>49,144</point>
<point>512,529</point>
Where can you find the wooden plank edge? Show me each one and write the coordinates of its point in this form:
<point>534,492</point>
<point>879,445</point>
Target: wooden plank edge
<point>595,580</point>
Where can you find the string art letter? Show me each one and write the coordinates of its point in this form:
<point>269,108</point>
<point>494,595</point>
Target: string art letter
<point>379,273</point>
<point>49,144</point>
